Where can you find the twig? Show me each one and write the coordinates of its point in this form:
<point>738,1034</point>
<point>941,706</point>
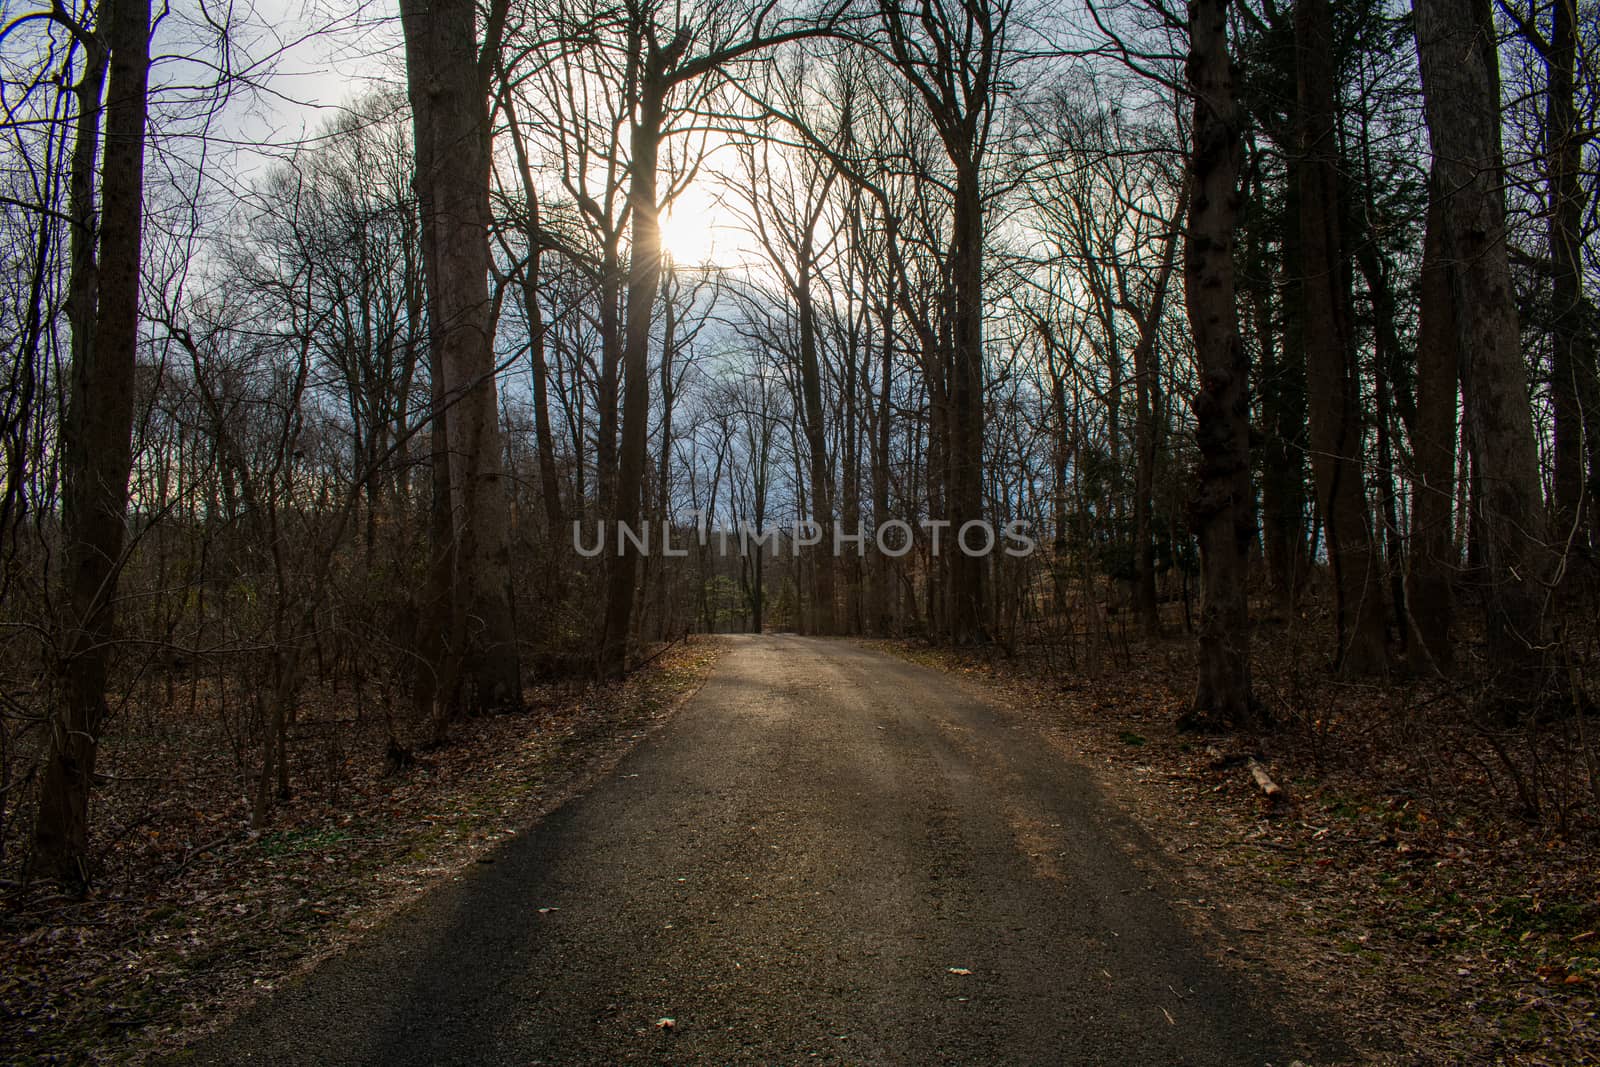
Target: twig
<point>196,853</point>
<point>658,653</point>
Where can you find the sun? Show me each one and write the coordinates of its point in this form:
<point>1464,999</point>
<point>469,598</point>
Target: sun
<point>688,232</point>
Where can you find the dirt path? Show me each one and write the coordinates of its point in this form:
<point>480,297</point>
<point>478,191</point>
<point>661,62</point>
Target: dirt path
<point>829,855</point>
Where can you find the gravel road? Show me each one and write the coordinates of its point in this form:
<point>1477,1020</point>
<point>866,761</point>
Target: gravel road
<point>828,855</point>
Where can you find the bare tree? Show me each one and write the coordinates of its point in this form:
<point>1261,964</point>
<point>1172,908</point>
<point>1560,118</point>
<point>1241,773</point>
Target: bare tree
<point>664,52</point>
<point>448,85</point>
<point>1433,559</point>
<point>1460,86</point>
<point>1222,511</point>
<point>787,198</point>
<point>955,55</point>
<point>1333,386</point>
<point>96,439</point>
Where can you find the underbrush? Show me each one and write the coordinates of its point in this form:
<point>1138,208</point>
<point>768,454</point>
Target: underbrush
<point>192,909</point>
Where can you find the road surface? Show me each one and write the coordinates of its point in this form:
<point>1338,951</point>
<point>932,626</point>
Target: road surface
<point>828,855</point>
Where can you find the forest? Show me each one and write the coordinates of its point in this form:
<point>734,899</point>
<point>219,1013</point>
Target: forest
<point>1261,332</point>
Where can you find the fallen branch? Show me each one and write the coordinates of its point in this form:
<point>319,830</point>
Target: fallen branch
<point>196,853</point>
<point>1273,791</point>
<point>658,653</point>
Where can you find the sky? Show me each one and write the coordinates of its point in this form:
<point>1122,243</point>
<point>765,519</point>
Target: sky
<point>313,58</point>
<point>324,54</point>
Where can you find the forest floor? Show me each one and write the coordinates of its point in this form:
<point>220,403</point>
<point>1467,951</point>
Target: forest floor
<point>195,915</point>
<point>1401,888</point>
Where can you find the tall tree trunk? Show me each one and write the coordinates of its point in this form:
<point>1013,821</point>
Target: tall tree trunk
<point>644,279</point>
<point>1147,386</point>
<point>1461,96</point>
<point>1433,548</point>
<point>439,620</point>
<point>611,344</point>
<point>96,449</point>
<point>850,511</point>
<point>1221,511</point>
<point>936,572</point>
<point>822,607</point>
<point>557,559</point>
<point>544,435</point>
<point>882,569</point>
<point>663,508</point>
<point>1392,400</point>
<point>1572,353</point>
<point>855,353</point>
<point>449,101</point>
<point>1332,384</point>
<point>1062,438</point>
<point>1282,390</point>
<point>1392,396</point>
<point>83,285</point>
<point>967,617</point>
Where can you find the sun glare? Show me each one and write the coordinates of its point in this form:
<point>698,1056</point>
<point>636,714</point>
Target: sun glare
<point>688,234</point>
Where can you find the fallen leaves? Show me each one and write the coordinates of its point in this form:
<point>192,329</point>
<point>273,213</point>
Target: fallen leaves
<point>192,918</point>
<point>1397,897</point>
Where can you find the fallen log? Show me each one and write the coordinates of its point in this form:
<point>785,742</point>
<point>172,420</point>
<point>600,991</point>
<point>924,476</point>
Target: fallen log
<point>1273,791</point>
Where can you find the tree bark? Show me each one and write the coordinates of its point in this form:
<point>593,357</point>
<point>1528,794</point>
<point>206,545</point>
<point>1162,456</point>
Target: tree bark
<point>1222,509</point>
<point>1461,97</point>
<point>449,100</point>
<point>1433,552</point>
<point>967,614</point>
<point>1332,384</point>
<point>883,428</point>
<point>644,280</point>
<point>1572,354</point>
<point>663,504</point>
<point>822,606</point>
<point>96,448</point>
<point>611,344</point>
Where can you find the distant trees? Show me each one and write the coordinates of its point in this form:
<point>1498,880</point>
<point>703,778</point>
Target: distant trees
<point>1375,366</point>
<point>1551,189</point>
<point>787,200</point>
<point>664,51</point>
<point>1575,398</point>
<point>1111,217</point>
<point>955,55</point>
